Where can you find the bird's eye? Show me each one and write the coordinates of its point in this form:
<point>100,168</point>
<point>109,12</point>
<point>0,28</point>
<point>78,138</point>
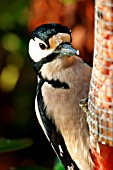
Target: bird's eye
<point>42,46</point>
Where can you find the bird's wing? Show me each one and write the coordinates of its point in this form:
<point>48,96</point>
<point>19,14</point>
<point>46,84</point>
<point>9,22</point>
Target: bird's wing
<point>54,136</point>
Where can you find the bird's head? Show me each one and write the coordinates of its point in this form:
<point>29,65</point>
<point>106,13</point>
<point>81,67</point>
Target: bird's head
<point>50,41</point>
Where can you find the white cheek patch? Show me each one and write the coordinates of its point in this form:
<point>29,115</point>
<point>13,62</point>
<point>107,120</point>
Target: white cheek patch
<point>35,52</point>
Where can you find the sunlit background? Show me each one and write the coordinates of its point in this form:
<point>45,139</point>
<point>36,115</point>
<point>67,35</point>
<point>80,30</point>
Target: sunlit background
<point>22,142</point>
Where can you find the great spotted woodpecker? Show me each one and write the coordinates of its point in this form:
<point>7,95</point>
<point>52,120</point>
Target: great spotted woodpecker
<point>63,80</point>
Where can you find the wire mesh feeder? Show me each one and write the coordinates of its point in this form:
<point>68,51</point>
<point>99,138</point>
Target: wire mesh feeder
<point>100,101</point>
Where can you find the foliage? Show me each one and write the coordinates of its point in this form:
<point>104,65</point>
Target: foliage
<point>8,145</point>
<point>58,165</point>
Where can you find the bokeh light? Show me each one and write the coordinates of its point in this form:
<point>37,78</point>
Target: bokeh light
<point>11,42</point>
<point>9,77</point>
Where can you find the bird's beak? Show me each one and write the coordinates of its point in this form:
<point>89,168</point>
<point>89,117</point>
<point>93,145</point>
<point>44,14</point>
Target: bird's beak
<point>67,49</point>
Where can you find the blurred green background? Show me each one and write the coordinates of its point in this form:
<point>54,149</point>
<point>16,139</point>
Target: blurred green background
<point>22,142</point>
<point>17,89</point>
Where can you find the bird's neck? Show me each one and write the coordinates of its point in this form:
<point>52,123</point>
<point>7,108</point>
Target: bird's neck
<point>53,69</point>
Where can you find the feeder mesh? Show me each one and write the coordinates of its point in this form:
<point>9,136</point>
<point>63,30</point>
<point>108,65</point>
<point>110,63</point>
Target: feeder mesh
<point>100,102</point>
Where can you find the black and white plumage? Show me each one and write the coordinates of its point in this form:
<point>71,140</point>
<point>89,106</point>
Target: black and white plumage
<point>63,80</point>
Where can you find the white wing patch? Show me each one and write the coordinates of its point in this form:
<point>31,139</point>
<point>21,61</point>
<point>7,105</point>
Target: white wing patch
<point>35,52</point>
<point>70,167</point>
<point>61,151</point>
